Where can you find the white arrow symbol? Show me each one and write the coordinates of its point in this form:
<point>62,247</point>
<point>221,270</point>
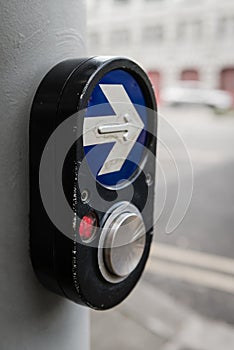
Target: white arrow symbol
<point>123,128</point>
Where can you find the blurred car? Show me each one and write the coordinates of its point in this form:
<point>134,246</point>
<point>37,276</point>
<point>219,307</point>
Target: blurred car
<point>194,93</point>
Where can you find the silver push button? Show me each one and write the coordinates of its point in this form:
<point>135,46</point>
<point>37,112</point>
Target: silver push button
<point>122,242</point>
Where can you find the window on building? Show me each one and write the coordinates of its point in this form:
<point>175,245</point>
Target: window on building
<point>189,31</point>
<point>197,30</point>
<point>153,34</point>
<point>225,27</point>
<point>181,31</point>
<point>122,1</point>
<point>222,28</point>
<point>120,37</point>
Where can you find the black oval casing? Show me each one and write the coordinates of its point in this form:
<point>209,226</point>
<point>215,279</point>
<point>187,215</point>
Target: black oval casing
<point>63,263</point>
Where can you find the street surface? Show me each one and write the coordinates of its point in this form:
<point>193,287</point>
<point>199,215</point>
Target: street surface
<point>185,300</point>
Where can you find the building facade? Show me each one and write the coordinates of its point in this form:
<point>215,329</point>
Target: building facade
<point>173,39</point>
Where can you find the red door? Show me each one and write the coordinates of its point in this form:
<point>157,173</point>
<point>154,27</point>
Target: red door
<point>155,78</point>
<point>227,80</point>
<point>190,74</point>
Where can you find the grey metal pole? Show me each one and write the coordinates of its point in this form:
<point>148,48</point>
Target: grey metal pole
<point>35,35</point>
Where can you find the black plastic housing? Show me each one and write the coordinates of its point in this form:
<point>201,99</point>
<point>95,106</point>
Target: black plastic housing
<point>62,263</point>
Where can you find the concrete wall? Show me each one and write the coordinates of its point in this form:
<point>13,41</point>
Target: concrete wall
<point>35,35</point>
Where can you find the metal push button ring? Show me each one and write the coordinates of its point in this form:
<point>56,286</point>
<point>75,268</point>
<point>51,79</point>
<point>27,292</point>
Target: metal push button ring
<point>122,243</point>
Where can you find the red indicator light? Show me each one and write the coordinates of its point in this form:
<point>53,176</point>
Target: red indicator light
<point>88,227</point>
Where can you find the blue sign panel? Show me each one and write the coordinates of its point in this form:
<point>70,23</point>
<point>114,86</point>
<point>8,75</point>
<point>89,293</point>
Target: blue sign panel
<point>116,87</point>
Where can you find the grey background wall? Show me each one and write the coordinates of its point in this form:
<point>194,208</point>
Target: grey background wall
<point>35,35</point>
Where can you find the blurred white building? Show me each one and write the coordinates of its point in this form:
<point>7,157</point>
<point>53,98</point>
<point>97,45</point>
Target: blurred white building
<point>172,39</point>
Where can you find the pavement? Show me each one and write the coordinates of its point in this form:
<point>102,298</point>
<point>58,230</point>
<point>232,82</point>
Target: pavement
<point>185,300</point>
<point>150,319</point>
